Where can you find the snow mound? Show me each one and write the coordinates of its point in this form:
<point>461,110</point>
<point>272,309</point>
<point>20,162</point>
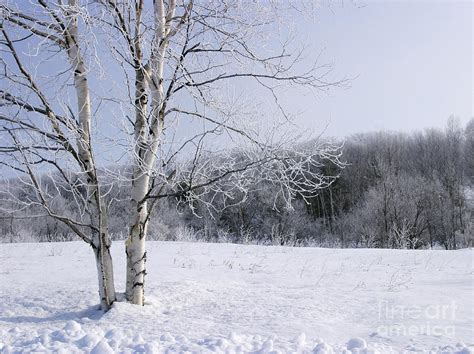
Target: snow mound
<point>356,343</point>
<point>102,348</point>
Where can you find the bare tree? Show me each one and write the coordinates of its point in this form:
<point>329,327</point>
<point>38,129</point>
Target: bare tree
<point>36,134</point>
<point>171,61</point>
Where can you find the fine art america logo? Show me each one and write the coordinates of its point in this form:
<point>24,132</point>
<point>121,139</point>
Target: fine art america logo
<point>431,320</point>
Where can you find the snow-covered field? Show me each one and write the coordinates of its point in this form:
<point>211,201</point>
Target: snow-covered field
<point>232,298</point>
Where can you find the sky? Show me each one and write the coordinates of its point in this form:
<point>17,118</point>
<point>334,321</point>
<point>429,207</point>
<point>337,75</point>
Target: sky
<point>411,64</point>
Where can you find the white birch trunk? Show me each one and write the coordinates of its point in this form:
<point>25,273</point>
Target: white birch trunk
<point>101,240</point>
<point>105,275</point>
<point>135,245</point>
<point>146,149</point>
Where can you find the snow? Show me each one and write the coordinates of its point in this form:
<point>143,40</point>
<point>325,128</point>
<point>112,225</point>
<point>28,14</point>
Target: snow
<point>356,343</point>
<point>235,299</point>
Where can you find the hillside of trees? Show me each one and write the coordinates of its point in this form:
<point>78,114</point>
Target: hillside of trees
<point>396,190</point>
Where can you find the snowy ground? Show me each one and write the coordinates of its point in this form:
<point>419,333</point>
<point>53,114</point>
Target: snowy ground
<point>232,298</point>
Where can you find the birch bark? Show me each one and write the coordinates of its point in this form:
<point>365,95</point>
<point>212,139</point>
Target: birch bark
<point>100,240</point>
<point>147,142</point>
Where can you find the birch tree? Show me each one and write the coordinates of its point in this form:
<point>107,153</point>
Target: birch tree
<point>36,135</point>
<point>173,62</point>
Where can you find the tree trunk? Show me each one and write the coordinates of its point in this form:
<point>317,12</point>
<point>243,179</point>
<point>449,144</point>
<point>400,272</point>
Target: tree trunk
<point>135,244</point>
<point>105,274</point>
<point>136,259</point>
<point>147,138</point>
<point>100,242</point>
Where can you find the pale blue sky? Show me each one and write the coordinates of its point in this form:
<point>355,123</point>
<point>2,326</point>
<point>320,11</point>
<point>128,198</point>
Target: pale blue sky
<point>413,62</point>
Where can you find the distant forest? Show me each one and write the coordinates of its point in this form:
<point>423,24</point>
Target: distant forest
<point>396,190</point>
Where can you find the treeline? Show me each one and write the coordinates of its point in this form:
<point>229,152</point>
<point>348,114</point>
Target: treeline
<point>403,191</point>
<point>396,191</point>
